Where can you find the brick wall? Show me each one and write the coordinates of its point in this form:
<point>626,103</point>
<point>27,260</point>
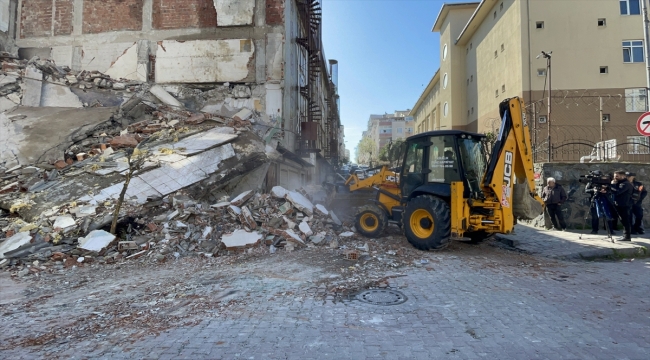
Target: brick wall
<point>178,14</point>
<point>274,12</point>
<point>111,15</point>
<point>36,18</point>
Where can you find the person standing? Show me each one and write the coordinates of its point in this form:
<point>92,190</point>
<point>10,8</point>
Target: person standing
<point>622,191</point>
<point>554,196</point>
<point>638,195</point>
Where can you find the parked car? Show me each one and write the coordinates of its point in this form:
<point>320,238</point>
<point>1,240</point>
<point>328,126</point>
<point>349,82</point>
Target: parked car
<point>361,174</point>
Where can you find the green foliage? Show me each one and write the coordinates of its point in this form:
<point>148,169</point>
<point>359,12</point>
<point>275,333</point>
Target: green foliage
<point>366,151</point>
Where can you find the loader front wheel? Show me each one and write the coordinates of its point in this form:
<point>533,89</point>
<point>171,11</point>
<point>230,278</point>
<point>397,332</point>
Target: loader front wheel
<point>371,221</point>
<point>427,223</point>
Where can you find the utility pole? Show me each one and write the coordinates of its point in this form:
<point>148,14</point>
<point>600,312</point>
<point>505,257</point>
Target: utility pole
<point>600,111</point>
<point>646,37</point>
<point>547,56</point>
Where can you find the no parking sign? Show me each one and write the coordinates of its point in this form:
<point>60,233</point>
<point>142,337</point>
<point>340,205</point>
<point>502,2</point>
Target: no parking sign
<point>643,124</point>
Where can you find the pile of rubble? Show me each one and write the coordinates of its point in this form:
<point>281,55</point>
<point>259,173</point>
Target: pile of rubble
<point>169,228</point>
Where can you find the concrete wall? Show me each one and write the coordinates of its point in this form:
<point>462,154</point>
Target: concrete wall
<point>426,112</point>
<point>568,174</point>
<point>8,11</point>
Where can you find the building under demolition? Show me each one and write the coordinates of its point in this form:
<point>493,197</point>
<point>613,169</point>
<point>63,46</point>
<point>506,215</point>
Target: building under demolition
<point>102,66</point>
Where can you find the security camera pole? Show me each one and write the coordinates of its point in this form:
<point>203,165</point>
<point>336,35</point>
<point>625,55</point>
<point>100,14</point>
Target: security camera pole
<point>547,56</point>
<point>647,50</point>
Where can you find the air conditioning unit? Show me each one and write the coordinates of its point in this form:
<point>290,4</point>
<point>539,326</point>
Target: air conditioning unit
<point>542,119</point>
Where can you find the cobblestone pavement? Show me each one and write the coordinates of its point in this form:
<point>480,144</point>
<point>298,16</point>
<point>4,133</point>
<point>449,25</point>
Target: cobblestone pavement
<point>479,302</point>
<point>573,244</point>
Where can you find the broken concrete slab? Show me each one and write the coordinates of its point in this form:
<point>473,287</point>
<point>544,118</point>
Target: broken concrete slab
<point>96,240</point>
<point>220,205</point>
<point>346,234</point>
<point>241,238</point>
<point>165,97</point>
<point>33,83</point>
<point>234,12</point>
<point>300,202</point>
<point>247,218</point>
<point>64,222</point>
<point>305,229</point>
<point>57,95</point>
<point>335,218</point>
<point>39,135</point>
<point>14,242</point>
<point>242,198</point>
<point>243,115</point>
<point>279,192</point>
<point>125,141</point>
<point>322,210</point>
<point>200,142</point>
<point>290,235</point>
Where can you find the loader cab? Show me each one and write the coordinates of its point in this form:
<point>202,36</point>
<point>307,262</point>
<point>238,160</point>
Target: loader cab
<point>435,159</point>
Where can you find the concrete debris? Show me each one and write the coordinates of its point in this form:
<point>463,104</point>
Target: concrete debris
<point>164,96</point>
<point>242,198</point>
<point>241,238</point>
<point>300,202</point>
<point>346,234</point>
<point>305,229</point>
<point>64,222</point>
<point>96,241</point>
<point>322,210</point>
<point>14,243</point>
<point>279,192</point>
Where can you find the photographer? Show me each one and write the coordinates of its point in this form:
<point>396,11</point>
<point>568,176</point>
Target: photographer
<point>638,195</point>
<point>553,196</point>
<point>622,190</point>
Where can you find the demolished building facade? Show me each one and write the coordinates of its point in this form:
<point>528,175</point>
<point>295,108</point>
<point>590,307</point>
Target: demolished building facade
<point>259,60</point>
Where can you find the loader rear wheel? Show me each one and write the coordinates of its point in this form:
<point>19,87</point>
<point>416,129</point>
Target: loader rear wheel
<point>426,223</point>
<point>371,221</point>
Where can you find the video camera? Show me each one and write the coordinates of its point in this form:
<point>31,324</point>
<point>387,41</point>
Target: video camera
<point>596,177</point>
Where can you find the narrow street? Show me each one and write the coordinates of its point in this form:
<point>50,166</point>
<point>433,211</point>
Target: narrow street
<point>469,301</point>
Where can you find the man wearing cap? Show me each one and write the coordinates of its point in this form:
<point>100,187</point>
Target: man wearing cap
<point>638,195</point>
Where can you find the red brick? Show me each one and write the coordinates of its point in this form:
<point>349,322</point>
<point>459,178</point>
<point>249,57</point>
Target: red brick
<point>112,15</point>
<point>181,14</point>
<point>36,18</point>
<point>60,164</point>
<point>274,12</point>
<point>128,140</point>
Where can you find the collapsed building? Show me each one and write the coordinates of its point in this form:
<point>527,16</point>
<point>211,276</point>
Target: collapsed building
<point>214,57</point>
<point>127,102</point>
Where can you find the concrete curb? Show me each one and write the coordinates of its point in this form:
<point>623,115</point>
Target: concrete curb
<point>588,254</point>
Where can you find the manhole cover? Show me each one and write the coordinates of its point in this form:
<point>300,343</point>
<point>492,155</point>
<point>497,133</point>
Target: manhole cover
<point>382,297</point>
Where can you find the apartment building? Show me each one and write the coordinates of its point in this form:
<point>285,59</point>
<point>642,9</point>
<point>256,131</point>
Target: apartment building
<point>490,51</point>
<point>383,129</point>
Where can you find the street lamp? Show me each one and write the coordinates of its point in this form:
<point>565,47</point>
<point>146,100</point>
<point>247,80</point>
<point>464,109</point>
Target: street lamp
<point>547,56</point>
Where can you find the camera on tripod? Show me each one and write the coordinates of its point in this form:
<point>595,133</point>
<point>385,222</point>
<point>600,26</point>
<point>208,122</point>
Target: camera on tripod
<point>595,177</point>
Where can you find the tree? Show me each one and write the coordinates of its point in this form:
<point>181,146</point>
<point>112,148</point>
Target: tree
<point>366,151</point>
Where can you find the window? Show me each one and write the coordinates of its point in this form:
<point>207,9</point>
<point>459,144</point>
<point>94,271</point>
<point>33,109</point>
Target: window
<point>541,72</point>
<point>503,48</point>
<point>630,7</point>
<point>542,119</point>
<point>539,25</point>
<point>605,117</point>
<point>635,100</point>
<point>638,145</point>
<point>496,54</point>
<point>602,22</point>
<point>604,69</point>
<point>399,130</point>
<point>414,159</point>
<point>444,52</point>
<point>442,160</point>
<point>496,93</point>
<point>503,88</point>
<point>444,81</point>
<point>633,51</point>
<point>445,110</point>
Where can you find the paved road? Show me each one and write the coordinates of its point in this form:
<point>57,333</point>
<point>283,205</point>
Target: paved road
<point>495,306</point>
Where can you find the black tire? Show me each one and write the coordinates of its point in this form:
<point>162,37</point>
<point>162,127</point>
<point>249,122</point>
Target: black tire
<point>478,236</point>
<point>371,221</point>
<point>434,236</point>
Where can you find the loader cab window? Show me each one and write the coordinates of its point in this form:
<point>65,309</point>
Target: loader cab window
<point>443,160</point>
<point>414,159</point>
<point>474,160</point>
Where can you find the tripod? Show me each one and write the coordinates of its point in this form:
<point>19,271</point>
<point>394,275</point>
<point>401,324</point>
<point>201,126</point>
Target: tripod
<point>600,202</point>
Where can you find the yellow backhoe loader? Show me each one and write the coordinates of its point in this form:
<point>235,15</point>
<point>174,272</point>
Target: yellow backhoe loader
<point>448,188</point>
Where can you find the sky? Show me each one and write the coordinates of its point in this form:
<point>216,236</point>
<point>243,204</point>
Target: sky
<point>387,55</point>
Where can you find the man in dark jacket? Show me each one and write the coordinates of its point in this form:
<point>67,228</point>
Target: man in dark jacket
<point>622,191</point>
<point>638,195</point>
<point>554,196</point>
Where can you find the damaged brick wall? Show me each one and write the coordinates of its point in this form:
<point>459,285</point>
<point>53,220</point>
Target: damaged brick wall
<point>112,15</point>
<point>36,18</point>
<point>180,14</point>
<point>275,12</point>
